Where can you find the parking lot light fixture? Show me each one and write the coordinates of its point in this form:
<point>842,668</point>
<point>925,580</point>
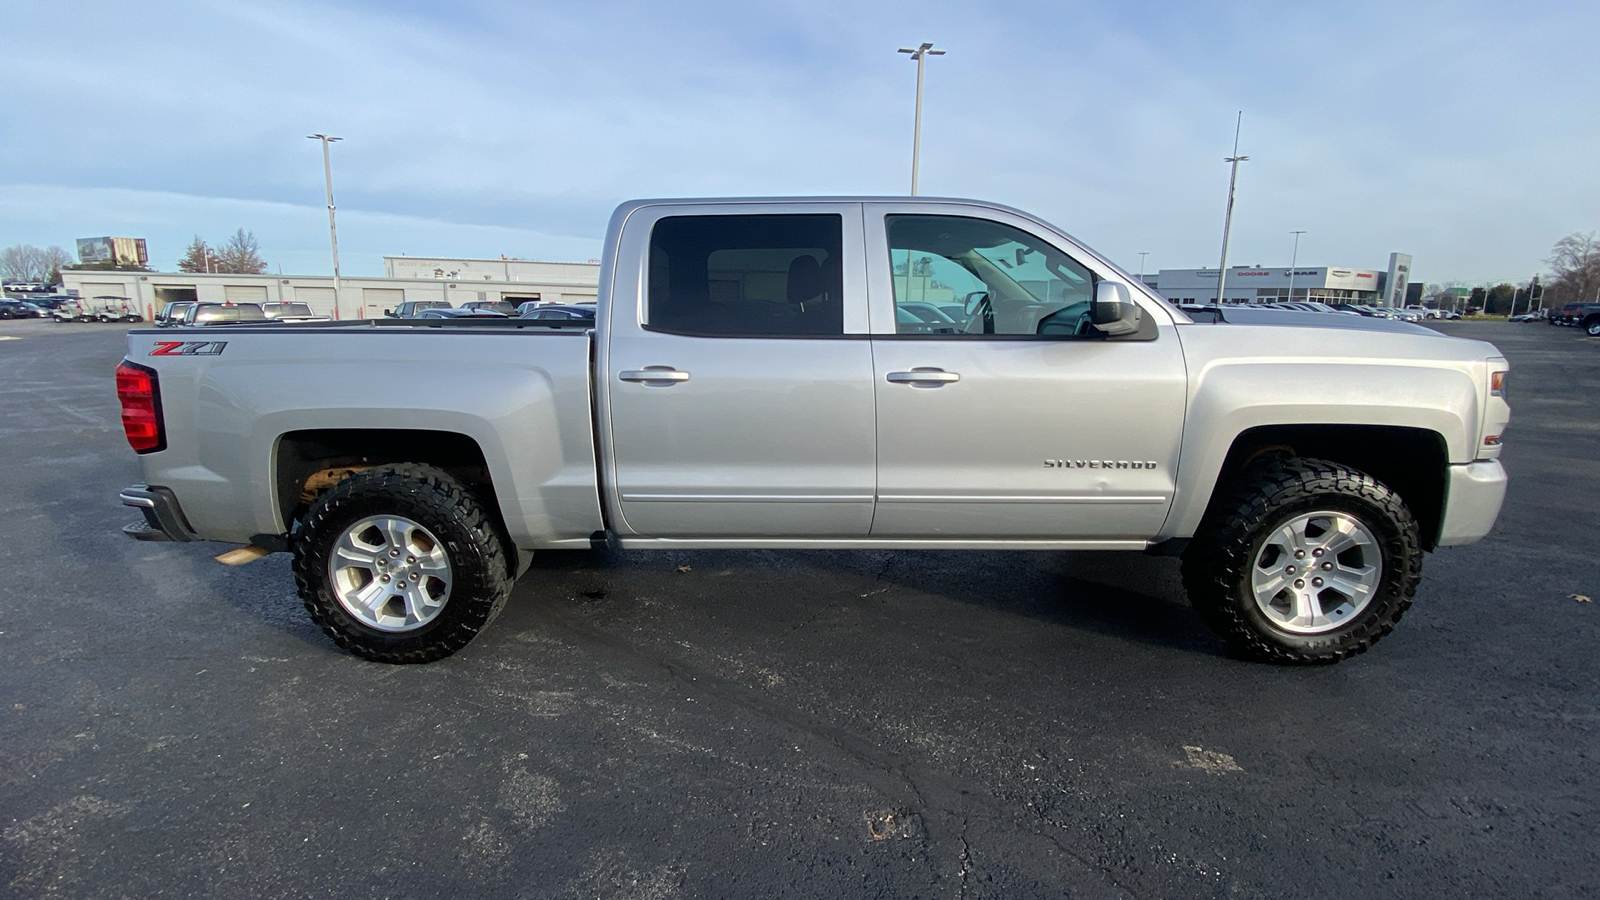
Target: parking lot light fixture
<point>1293,259</point>
<point>333,230</point>
<point>1227,222</point>
<point>919,54</point>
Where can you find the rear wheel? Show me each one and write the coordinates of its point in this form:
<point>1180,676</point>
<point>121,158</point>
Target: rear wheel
<point>1593,327</point>
<point>1306,562</point>
<point>400,564</point>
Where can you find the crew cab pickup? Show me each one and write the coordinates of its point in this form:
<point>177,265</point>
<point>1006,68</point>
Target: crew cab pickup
<point>766,374</point>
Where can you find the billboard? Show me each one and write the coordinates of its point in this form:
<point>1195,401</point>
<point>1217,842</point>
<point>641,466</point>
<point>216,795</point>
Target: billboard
<point>118,251</point>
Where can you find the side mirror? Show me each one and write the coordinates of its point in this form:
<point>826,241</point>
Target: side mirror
<point>1114,310</point>
<point>389,313</point>
<point>975,301</point>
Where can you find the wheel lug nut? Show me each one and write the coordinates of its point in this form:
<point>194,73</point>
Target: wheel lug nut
<point>1299,554</point>
<point>1316,582</point>
<point>383,578</point>
<point>1289,569</point>
<point>1318,552</point>
<point>1327,567</point>
<point>411,559</point>
<point>394,552</point>
<point>1299,584</point>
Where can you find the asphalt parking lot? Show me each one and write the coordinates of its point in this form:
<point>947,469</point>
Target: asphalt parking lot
<point>860,724</point>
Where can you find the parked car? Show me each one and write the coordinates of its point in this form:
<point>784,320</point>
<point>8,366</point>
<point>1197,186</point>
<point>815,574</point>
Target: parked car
<point>410,308</point>
<point>291,312</point>
<point>1583,315</point>
<point>202,314</point>
<point>503,307</point>
<point>172,313</point>
<point>19,309</point>
<point>562,312</point>
<point>445,312</point>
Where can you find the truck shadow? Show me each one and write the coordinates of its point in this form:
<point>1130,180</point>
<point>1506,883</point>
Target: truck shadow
<point>1128,596</point>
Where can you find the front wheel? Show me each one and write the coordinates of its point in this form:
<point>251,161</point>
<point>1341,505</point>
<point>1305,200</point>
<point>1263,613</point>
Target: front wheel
<point>1593,327</point>
<point>400,564</point>
<point>1306,561</point>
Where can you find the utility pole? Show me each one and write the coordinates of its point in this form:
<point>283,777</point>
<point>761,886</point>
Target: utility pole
<point>1142,255</point>
<point>1294,258</point>
<point>919,54</point>
<point>1227,223</point>
<point>333,230</point>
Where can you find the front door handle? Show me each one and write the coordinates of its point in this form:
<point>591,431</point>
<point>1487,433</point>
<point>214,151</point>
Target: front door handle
<point>924,377</point>
<point>658,376</point>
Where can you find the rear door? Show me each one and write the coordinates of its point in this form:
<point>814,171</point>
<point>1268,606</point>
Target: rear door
<point>1017,420</point>
<point>738,372</point>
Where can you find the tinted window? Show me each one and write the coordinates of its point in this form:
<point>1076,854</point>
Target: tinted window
<point>729,275</point>
<point>986,279</point>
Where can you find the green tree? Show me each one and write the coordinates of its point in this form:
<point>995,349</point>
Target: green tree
<point>198,257</point>
<point>1498,301</point>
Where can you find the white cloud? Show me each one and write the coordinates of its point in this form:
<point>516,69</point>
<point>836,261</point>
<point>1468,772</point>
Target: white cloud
<point>1442,129</point>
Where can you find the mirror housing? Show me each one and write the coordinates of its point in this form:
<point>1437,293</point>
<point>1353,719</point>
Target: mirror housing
<point>975,301</point>
<point>1114,310</point>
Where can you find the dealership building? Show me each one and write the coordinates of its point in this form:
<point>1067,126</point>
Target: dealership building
<point>454,281</point>
<point>1259,284</point>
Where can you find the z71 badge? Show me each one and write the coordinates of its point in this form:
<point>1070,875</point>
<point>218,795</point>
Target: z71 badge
<point>188,348</point>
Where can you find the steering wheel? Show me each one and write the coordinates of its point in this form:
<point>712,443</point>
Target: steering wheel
<point>1085,326</point>
<point>982,316</point>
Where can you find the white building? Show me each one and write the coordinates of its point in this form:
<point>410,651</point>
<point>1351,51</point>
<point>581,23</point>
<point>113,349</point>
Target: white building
<point>1256,284</point>
<point>458,281</point>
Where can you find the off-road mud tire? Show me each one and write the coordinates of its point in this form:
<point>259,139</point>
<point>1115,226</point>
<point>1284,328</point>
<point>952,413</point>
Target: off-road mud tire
<point>1217,564</point>
<point>444,506</point>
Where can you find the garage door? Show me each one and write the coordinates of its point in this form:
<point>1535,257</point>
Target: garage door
<point>104,289</point>
<point>244,293</point>
<point>376,301</point>
<point>320,299</point>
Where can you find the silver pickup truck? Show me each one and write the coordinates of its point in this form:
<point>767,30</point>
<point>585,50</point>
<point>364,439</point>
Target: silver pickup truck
<point>828,373</point>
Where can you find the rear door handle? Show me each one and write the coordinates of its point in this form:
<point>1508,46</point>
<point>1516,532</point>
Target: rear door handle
<point>659,376</point>
<point>924,377</point>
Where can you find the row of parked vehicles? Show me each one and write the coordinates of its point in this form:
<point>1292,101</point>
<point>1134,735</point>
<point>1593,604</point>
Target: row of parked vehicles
<point>189,313</point>
<point>493,309</point>
<point>67,308</point>
<point>1406,314</point>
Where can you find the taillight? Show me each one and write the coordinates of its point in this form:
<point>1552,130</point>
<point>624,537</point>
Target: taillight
<point>1497,384</point>
<point>140,395</point>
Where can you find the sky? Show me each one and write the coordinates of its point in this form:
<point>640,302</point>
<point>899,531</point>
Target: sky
<point>1463,133</point>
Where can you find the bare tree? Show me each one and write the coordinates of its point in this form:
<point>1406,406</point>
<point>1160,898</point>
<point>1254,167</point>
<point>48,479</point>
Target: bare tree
<point>54,260</point>
<point>1575,268</point>
<point>25,262</point>
<point>241,255</point>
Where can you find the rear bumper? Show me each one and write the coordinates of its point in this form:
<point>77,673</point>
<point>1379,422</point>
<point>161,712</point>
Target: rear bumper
<point>163,518</point>
<point>1472,501</point>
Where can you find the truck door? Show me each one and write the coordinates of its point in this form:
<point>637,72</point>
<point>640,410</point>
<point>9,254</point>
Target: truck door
<point>1002,411</point>
<point>738,373</point>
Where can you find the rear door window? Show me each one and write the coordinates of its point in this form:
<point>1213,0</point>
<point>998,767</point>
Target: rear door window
<point>746,275</point>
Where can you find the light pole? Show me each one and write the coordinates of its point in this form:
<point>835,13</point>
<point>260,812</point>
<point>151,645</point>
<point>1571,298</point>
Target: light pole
<point>1227,223</point>
<point>1142,255</point>
<point>333,231</point>
<point>1293,258</point>
<point>919,54</point>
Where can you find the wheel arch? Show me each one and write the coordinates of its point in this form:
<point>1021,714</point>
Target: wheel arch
<point>309,462</point>
<point>1413,462</point>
